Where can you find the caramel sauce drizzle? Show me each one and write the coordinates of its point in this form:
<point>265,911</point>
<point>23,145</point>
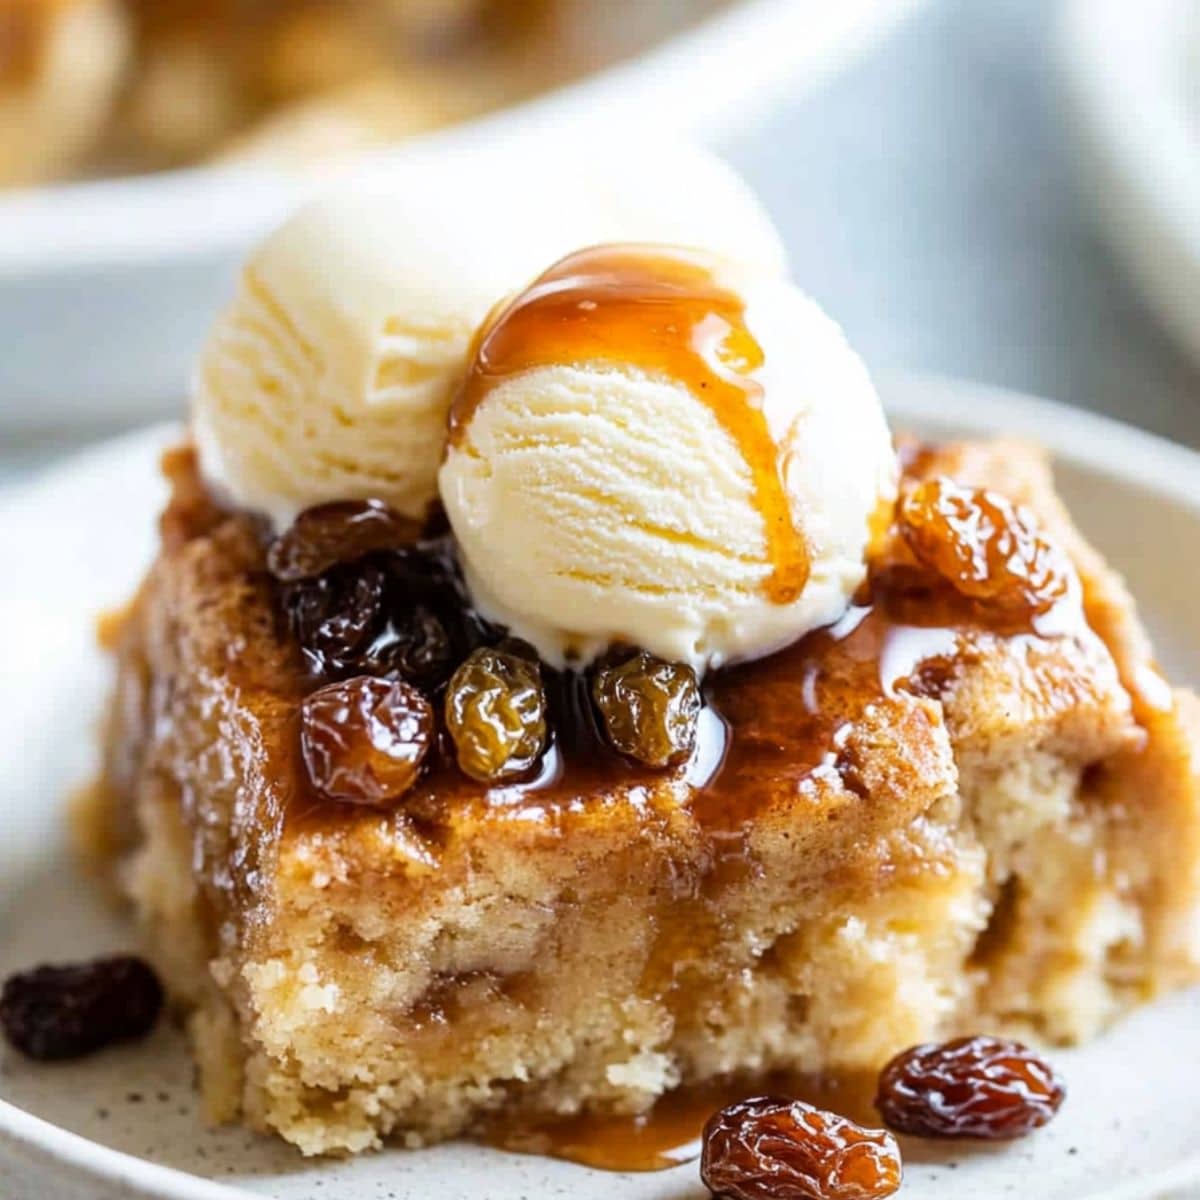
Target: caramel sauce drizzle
<point>665,311</point>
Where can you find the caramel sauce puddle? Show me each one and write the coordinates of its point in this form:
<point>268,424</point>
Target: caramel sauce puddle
<point>669,1135</point>
<point>665,311</point>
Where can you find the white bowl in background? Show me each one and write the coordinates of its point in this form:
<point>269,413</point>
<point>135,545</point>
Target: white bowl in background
<point>1130,74</point>
<point>107,287</point>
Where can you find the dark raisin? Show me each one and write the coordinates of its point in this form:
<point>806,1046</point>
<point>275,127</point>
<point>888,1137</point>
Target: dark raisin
<point>579,734</point>
<point>412,645</point>
<point>496,714</point>
<point>769,1148</point>
<point>436,524</point>
<point>58,1012</point>
<point>341,532</point>
<point>520,648</point>
<point>978,1087</point>
<point>649,707</point>
<point>364,740</point>
<point>987,548</point>
<point>428,577</point>
<point>402,614</point>
<point>337,616</point>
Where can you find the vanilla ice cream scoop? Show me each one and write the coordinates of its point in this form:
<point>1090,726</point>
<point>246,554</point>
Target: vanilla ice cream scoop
<point>657,447</point>
<point>330,376</point>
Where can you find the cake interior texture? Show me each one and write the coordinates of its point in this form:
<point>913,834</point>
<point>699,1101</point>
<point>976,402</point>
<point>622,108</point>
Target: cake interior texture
<point>913,825</point>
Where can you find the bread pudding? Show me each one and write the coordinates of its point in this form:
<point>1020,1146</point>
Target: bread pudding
<point>911,824</point>
<point>676,729</point>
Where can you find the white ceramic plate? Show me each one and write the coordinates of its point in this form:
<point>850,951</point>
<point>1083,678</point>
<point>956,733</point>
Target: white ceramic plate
<point>1131,81</point>
<point>124,1124</point>
<point>107,288</point>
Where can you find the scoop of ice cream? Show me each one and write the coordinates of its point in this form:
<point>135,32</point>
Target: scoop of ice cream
<point>656,447</point>
<point>331,374</point>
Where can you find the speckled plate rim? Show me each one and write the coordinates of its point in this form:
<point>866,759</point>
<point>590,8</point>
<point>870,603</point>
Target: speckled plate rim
<point>944,407</point>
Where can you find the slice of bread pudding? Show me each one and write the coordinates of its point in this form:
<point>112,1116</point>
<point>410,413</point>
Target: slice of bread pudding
<point>919,822</point>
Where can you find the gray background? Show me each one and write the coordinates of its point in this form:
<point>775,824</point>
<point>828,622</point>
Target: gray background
<point>928,202</point>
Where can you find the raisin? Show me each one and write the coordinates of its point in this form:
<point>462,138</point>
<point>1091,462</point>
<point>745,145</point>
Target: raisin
<point>649,708</point>
<point>413,645</point>
<point>336,617</point>
<point>340,532</point>
<point>399,613</point>
<point>519,648</point>
<point>428,578</point>
<point>496,714</point>
<point>364,740</point>
<point>987,548</point>
<point>768,1148</point>
<point>59,1012</point>
<point>978,1087</point>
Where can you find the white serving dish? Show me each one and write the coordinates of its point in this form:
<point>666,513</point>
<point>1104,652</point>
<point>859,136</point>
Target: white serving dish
<point>124,1125</point>
<point>1130,73</point>
<point>106,288</point>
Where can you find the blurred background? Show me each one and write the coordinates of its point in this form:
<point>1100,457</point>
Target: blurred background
<point>979,188</point>
<point>936,199</point>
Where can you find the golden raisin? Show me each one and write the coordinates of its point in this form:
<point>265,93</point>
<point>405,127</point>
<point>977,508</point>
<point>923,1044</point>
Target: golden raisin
<point>768,1148</point>
<point>339,532</point>
<point>987,548</point>
<point>649,707</point>
<point>977,1087</point>
<point>496,714</point>
<point>364,740</point>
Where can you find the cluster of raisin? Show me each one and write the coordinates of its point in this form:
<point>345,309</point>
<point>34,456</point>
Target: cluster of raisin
<point>364,596</point>
<point>380,615</point>
<point>768,1148</point>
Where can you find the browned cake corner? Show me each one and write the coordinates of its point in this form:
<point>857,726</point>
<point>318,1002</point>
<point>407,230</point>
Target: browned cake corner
<point>911,826</point>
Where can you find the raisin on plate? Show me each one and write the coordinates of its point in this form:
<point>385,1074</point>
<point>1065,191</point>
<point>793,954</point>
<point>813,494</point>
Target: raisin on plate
<point>976,1087</point>
<point>61,1012</point>
<point>768,1148</point>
